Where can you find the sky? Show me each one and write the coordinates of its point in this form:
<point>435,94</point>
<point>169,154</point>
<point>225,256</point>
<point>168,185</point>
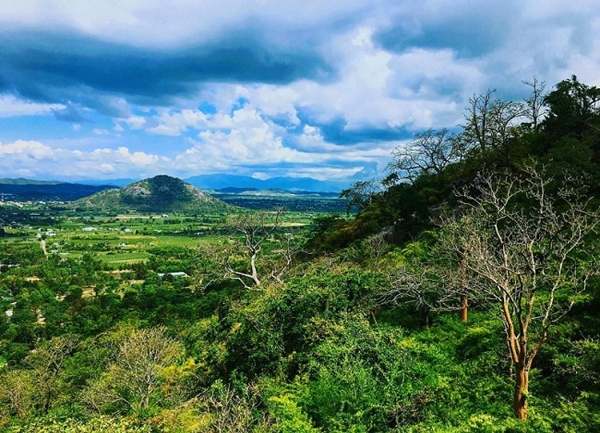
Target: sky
<point>106,89</point>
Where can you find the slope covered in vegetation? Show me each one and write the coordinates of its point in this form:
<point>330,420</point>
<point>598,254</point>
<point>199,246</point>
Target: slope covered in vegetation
<point>157,194</point>
<point>462,296</point>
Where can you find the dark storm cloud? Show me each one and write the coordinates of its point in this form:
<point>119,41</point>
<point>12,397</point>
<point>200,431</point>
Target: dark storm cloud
<point>55,67</point>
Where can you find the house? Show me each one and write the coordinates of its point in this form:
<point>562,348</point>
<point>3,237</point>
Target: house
<point>89,229</point>
<point>173,274</point>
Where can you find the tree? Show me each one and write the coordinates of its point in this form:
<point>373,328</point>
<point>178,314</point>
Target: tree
<point>491,124</point>
<point>573,109</point>
<point>429,153</point>
<point>256,229</point>
<point>135,376</point>
<point>17,391</point>
<point>360,195</point>
<point>247,258</point>
<point>535,105</point>
<point>46,361</point>
<point>528,254</point>
<point>433,281</point>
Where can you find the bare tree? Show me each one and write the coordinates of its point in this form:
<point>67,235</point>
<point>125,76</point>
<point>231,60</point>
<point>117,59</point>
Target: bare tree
<point>46,361</point>
<point>531,261</point>
<point>284,256</point>
<point>245,259</point>
<point>432,286</point>
<point>429,153</point>
<point>228,410</point>
<point>536,107</point>
<point>256,229</point>
<point>360,195</point>
<point>136,374</point>
<point>490,121</point>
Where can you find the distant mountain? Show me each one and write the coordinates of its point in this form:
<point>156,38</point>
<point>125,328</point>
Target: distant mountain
<point>223,192</point>
<point>27,189</point>
<point>157,194</point>
<point>23,181</point>
<point>220,181</point>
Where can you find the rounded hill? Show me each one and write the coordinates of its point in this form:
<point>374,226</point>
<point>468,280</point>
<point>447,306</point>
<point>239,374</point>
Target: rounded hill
<point>157,194</point>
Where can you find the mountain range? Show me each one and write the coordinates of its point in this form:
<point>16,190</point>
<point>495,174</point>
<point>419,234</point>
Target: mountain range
<point>220,181</point>
<point>28,189</point>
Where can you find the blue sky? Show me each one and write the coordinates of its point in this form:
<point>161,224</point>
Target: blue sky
<point>324,89</point>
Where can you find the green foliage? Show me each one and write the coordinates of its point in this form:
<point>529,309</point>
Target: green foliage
<point>92,425</point>
<point>87,348</point>
<point>289,417</point>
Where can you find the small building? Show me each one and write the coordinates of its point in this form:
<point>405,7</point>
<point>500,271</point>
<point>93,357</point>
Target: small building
<point>173,274</point>
<point>89,229</point>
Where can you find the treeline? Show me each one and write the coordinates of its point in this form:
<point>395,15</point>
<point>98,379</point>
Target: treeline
<point>558,130</point>
<point>461,295</point>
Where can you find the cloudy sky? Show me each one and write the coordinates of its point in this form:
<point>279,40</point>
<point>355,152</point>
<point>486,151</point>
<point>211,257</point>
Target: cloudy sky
<point>103,89</point>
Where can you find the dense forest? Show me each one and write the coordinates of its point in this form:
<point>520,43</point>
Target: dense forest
<point>460,293</point>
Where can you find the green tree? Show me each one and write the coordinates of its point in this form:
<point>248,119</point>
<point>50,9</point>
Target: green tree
<point>573,110</point>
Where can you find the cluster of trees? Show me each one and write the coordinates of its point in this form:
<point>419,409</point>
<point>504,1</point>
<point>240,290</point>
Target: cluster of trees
<point>351,327</point>
<point>518,232</point>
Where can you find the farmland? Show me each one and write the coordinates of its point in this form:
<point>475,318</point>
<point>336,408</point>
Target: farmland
<point>120,239</point>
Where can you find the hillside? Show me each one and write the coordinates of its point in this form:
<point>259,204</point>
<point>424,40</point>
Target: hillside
<point>157,194</point>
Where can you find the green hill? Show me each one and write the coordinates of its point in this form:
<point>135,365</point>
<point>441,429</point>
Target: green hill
<point>157,194</point>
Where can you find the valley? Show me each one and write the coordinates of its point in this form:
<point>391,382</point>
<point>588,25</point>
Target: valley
<point>461,294</point>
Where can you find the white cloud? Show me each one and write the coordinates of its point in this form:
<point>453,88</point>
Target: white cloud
<point>260,175</point>
<point>135,122</point>
<point>26,149</point>
<point>425,84</point>
<point>11,106</point>
<point>38,159</point>
<point>175,122</point>
<point>136,21</point>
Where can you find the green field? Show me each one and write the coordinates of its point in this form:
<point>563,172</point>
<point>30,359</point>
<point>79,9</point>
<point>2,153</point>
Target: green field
<point>125,239</point>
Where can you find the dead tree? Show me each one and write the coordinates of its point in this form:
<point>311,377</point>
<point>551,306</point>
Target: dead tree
<point>246,259</point>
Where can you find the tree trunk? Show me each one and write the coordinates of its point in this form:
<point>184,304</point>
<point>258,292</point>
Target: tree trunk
<point>521,391</point>
<point>464,308</point>
<point>464,300</point>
